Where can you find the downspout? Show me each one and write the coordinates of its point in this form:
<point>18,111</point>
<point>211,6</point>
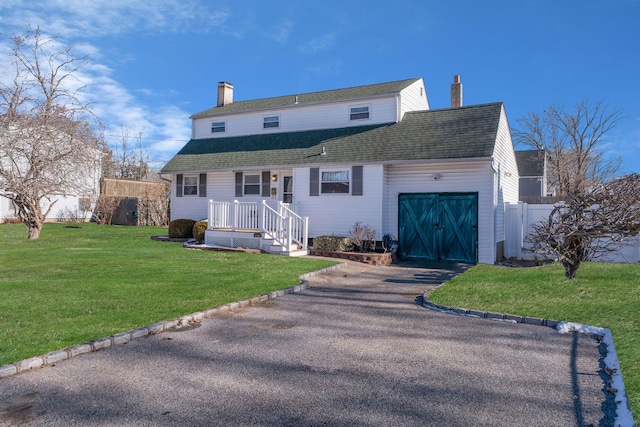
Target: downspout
<point>166,180</point>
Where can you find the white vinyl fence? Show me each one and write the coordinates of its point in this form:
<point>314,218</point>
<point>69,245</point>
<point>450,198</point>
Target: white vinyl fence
<point>519,218</point>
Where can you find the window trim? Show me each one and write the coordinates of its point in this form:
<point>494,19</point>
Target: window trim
<point>258,185</point>
<point>196,185</point>
<point>348,182</point>
<point>357,114</point>
<point>219,127</point>
<point>268,122</point>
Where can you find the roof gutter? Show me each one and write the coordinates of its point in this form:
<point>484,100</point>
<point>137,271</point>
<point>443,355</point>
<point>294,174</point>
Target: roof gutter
<point>343,164</point>
<point>287,106</point>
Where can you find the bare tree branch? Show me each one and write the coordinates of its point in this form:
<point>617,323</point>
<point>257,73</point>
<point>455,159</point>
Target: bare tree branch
<point>48,139</point>
<point>599,209</point>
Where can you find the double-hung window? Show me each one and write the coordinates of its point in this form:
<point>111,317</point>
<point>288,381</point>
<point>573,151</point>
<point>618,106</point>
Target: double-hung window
<point>359,112</point>
<point>251,184</point>
<point>190,186</point>
<point>271,122</point>
<point>218,127</point>
<point>334,182</point>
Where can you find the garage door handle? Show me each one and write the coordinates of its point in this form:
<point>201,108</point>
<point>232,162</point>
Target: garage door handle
<point>435,226</point>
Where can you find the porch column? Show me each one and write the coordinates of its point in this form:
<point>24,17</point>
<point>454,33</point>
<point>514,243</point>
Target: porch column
<point>234,215</point>
<point>210,218</point>
<point>261,215</point>
<point>305,232</point>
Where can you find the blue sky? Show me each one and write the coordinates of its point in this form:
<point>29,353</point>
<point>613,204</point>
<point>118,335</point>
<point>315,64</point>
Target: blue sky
<point>154,63</point>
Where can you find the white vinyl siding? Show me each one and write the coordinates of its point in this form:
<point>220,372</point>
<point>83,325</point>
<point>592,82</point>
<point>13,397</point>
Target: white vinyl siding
<point>64,207</point>
<point>220,186</point>
<point>299,118</point>
<point>454,178</point>
<point>335,213</point>
<point>506,173</point>
<point>414,98</point>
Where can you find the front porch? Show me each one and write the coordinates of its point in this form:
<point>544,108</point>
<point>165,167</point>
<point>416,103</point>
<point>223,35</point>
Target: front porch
<point>256,225</point>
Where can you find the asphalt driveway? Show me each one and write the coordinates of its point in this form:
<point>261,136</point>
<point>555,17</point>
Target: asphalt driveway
<point>352,350</point>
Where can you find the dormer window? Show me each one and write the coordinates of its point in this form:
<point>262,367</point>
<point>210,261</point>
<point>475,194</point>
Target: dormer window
<point>271,122</point>
<point>218,127</point>
<point>359,112</point>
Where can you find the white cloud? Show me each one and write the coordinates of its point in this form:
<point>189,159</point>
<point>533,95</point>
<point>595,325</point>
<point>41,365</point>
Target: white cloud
<point>95,18</point>
<point>318,44</point>
<point>163,127</point>
<point>282,32</point>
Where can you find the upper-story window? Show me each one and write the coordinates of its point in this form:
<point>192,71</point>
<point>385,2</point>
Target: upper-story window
<point>218,127</point>
<point>334,181</point>
<point>271,122</point>
<point>359,112</point>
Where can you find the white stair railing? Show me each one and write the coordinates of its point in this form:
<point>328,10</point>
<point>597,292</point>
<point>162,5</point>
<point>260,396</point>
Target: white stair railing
<point>299,224</point>
<point>284,226</point>
<point>276,227</point>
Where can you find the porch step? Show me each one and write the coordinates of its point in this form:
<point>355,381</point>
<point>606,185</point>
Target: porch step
<point>297,252</point>
<point>279,250</point>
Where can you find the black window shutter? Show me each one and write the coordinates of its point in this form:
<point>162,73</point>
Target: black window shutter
<point>202,183</point>
<point>314,182</point>
<point>179,185</point>
<point>266,183</point>
<point>238,184</point>
<point>356,181</point>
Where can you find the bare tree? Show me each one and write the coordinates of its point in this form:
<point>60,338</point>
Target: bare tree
<point>590,224</point>
<point>48,144</point>
<point>129,159</point>
<point>572,141</point>
<point>598,209</point>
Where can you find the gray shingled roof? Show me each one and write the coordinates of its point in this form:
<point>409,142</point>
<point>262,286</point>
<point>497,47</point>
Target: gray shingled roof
<point>530,162</point>
<point>309,98</point>
<point>458,133</point>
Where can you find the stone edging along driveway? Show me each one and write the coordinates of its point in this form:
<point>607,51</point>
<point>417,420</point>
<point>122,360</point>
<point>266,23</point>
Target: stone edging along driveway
<point>603,335</point>
<point>173,324</point>
<point>612,367</point>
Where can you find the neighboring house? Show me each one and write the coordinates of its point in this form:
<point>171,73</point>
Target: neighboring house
<point>532,168</point>
<point>434,180</point>
<point>68,186</point>
<point>65,208</point>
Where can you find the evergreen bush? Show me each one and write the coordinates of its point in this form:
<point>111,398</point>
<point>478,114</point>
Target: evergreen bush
<point>181,228</point>
<point>198,230</point>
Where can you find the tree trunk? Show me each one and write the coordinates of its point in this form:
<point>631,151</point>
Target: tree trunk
<point>34,230</point>
<point>570,268</point>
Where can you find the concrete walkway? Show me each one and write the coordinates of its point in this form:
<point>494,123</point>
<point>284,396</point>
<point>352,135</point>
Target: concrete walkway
<point>352,350</point>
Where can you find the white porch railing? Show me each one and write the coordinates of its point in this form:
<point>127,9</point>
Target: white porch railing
<point>284,226</point>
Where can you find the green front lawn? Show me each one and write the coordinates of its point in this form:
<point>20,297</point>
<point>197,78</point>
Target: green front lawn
<point>602,294</point>
<point>74,285</point>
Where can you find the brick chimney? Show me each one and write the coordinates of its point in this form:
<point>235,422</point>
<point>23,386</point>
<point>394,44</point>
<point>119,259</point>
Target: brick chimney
<point>456,92</point>
<point>225,94</point>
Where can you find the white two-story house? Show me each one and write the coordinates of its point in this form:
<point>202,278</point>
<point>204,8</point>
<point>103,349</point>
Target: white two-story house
<point>274,173</point>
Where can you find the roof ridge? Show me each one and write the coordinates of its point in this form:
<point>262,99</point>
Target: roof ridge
<point>433,110</point>
<point>261,103</point>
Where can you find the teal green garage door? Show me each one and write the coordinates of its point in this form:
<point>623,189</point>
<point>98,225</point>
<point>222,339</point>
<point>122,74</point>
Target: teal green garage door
<point>439,226</point>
